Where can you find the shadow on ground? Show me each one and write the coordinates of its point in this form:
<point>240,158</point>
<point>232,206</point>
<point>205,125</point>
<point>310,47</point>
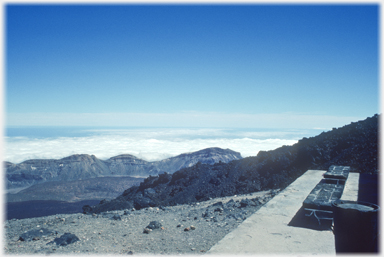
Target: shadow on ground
<point>310,222</point>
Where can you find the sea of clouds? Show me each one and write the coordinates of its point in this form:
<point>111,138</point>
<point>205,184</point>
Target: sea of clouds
<point>150,144</point>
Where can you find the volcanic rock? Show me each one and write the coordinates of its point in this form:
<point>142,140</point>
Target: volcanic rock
<point>154,225</point>
<point>65,239</point>
<point>147,230</point>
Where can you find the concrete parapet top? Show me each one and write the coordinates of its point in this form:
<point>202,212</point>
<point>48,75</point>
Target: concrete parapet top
<point>267,231</point>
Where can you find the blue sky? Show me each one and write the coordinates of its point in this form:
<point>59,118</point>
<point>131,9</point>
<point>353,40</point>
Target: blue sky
<point>191,65</point>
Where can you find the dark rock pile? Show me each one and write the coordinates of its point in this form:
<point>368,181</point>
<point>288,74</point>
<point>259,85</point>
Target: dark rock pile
<point>354,145</point>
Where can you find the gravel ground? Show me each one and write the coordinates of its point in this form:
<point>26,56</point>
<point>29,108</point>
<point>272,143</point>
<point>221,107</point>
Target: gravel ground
<point>183,229</point>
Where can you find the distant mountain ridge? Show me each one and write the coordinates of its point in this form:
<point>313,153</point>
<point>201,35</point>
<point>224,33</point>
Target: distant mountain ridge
<point>84,166</point>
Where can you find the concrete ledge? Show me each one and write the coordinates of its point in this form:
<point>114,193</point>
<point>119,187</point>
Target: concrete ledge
<point>351,189</point>
<point>267,231</point>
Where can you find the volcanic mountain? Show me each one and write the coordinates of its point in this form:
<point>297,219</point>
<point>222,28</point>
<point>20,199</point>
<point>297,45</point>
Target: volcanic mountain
<point>354,145</point>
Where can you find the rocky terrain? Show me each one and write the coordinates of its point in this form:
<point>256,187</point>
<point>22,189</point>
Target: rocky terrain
<point>183,229</point>
<point>354,145</point>
<point>83,166</point>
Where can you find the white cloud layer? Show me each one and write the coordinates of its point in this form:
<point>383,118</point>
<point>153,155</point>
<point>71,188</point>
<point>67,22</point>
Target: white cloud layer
<point>148,144</point>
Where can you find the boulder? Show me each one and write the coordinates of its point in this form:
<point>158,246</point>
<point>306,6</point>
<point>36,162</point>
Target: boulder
<point>147,230</point>
<point>65,239</point>
<point>154,225</point>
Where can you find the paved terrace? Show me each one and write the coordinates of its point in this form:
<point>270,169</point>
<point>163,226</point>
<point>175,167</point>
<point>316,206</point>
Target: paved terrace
<point>267,231</point>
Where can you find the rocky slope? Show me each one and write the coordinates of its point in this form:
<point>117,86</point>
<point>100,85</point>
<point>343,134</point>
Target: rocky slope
<point>83,166</point>
<point>354,145</point>
<point>183,229</point>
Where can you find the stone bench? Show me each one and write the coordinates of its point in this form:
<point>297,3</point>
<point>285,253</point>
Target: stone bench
<point>329,189</point>
<point>337,173</point>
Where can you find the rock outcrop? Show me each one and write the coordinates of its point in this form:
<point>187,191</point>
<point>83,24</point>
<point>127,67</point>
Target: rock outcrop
<point>354,145</point>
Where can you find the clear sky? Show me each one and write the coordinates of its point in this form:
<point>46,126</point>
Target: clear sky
<point>191,65</point>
